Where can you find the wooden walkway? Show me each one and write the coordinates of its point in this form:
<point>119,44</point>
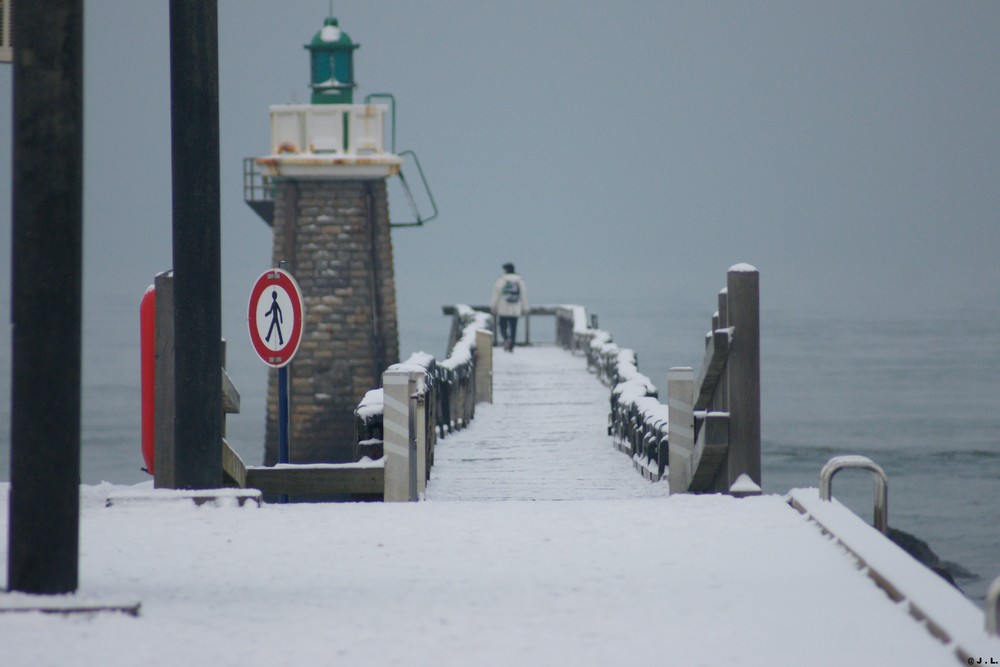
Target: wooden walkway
<point>759,569</point>
<point>545,437</point>
<point>607,576</point>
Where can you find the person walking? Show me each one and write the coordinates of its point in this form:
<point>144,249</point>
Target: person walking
<point>510,301</point>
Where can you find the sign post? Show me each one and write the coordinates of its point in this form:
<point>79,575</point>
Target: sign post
<point>275,318</point>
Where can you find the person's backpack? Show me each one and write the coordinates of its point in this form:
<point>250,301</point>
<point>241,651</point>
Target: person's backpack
<point>511,292</point>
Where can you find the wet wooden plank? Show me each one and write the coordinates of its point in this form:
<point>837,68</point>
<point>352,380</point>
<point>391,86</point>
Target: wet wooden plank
<point>316,479</point>
<point>233,468</point>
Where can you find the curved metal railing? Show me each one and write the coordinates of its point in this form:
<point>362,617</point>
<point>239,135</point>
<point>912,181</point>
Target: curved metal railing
<point>993,608</point>
<point>854,462</point>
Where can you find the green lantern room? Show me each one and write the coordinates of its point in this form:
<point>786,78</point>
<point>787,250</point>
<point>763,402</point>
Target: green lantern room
<point>331,53</point>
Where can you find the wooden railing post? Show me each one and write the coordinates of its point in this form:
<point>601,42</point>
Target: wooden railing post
<point>680,397</point>
<point>428,432</point>
<point>743,372</point>
<point>722,321</point>
<point>418,436</point>
<point>461,398</point>
<point>456,330</point>
<point>484,366</point>
<point>397,388</point>
<point>566,327</point>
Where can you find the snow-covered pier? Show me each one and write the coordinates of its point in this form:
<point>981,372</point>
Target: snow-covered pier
<point>538,544</point>
<point>544,437</point>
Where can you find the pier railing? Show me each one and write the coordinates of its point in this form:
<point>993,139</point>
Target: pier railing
<point>423,399</point>
<point>637,421</point>
<point>714,439</point>
<point>557,311</point>
<point>707,436</point>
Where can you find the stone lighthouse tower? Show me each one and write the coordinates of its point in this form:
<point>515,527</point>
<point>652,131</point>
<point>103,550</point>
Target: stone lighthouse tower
<point>323,189</point>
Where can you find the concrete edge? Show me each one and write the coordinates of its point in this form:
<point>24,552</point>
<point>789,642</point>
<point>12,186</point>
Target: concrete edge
<point>940,608</point>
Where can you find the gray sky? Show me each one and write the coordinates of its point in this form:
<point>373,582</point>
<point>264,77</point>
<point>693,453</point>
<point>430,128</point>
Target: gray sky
<point>849,150</point>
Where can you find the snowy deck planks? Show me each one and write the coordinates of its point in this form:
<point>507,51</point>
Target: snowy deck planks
<point>688,580</point>
<point>544,438</point>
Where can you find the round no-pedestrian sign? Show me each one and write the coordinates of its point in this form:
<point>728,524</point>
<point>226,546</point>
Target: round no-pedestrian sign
<point>275,317</point>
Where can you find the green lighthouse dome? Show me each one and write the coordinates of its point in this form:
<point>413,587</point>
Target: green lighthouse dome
<point>331,54</point>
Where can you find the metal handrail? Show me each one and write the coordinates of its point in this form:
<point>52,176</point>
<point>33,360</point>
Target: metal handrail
<point>392,106</point>
<point>402,179</point>
<point>409,195</point>
<point>838,463</point>
<point>993,609</point>
<point>256,185</point>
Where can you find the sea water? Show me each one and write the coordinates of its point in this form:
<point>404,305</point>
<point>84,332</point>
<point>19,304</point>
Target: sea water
<point>918,394</point>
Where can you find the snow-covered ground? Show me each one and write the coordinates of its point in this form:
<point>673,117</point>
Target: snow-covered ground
<point>609,580</point>
<point>687,580</point>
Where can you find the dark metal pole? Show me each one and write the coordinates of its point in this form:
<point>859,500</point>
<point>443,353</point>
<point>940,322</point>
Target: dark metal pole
<point>283,426</point>
<point>194,88</point>
<point>46,312</point>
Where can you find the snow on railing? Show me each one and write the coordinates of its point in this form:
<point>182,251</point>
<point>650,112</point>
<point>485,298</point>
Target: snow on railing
<point>370,413</point>
<point>444,394</point>
<point>466,322</point>
<point>637,421</point>
<point>714,444</point>
<point>368,426</point>
<point>457,376</point>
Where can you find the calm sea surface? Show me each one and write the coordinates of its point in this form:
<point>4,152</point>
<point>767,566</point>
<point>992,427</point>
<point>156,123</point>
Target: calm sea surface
<point>916,394</point>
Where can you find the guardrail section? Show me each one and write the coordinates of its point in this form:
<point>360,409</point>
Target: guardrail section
<point>422,400</point>
<point>706,438</point>
<point>715,415</point>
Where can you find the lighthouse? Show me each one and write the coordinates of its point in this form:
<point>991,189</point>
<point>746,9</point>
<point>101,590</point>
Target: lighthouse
<point>322,187</point>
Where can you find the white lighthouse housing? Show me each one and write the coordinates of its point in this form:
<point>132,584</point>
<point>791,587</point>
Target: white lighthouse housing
<point>329,141</point>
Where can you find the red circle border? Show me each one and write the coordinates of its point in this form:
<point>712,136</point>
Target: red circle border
<point>282,356</point>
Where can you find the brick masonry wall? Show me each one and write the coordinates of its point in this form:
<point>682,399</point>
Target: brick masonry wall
<point>334,236</point>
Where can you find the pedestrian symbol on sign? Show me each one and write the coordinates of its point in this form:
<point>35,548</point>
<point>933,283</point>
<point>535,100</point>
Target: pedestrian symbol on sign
<point>275,312</point>
<point>275,317</point>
